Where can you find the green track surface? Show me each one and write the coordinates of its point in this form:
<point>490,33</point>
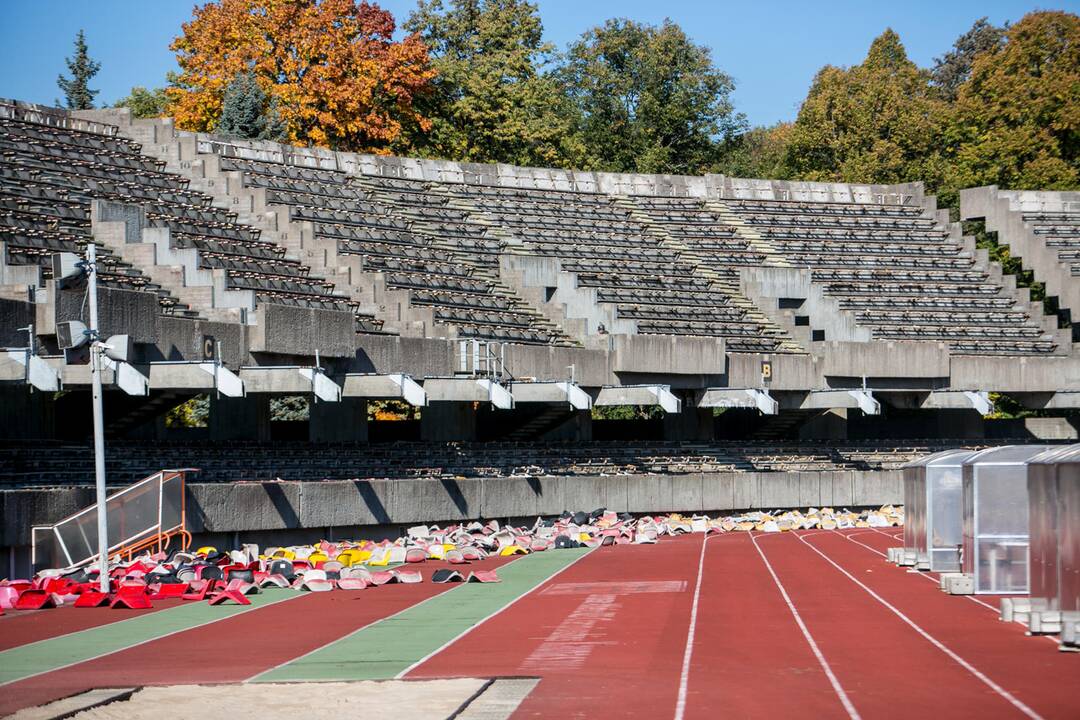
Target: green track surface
<point>53,653</point>
<point>388,647</point>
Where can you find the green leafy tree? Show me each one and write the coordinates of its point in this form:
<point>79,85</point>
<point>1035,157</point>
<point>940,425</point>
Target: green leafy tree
<point>77,92</point>
<point>878,122</point>
<point>757,153</point>
<point>145,103</point>
<point>248,112</point>
<point>953,69</point>
<point>494,99</point>
<point>648,99</point>
<point>1016,121</point>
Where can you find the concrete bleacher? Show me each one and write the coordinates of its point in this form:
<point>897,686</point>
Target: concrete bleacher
<point>1041,228</point>
<point>64,180</point>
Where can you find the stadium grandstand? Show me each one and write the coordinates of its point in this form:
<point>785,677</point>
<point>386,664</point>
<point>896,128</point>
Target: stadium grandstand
<point>793,343</point>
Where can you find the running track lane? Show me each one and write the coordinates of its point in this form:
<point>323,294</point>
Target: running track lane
<point>612,647</point>
<point>236,648</point>
<point>749,655</point>
<point>886,669</point>
<point>23,627</point>
<point>1029,668</point>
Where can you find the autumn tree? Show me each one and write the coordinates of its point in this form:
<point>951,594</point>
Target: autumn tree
<point>878,122</point>
<point>1017,119</point>
<point>76,89</point>
<point>648,98</point>
<point>494,99</point>
<point>953,69</point>
<point>338,77</point>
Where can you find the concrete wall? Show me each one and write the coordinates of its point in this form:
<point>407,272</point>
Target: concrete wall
<point>244,507</point>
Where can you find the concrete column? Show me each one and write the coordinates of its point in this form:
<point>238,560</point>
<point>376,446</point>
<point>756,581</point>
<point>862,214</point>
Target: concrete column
<point>244,418</point>
<point>448,421</point>
<point>693,423</point>
<point>344,421</point>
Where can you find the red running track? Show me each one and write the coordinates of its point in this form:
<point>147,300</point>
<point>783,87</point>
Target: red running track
<point>236,648</point>
<point>749,654</point>
<point>605,650</point>
<point>1028,668</point>
<point>27,626</point>
<point>886,669</point>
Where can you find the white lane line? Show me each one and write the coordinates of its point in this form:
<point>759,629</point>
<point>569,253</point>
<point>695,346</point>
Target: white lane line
<point>465,632</point>
<point>153,639</point>
<point>417,604</point>
<point>972,598</point>
<point>680,704</point>
<point>837,688</point>
<point>931,639</point>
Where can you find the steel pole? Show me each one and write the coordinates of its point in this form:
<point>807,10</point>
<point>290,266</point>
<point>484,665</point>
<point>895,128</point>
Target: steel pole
<point>99,421</point>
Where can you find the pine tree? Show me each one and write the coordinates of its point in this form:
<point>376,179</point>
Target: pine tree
<point>248,113</point>
<point>77,93</point>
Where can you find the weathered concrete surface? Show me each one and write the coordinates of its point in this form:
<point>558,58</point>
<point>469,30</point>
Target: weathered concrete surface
<point>251,506</point>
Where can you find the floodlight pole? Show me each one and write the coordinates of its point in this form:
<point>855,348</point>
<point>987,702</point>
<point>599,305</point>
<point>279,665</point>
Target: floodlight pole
<point>99,420</point>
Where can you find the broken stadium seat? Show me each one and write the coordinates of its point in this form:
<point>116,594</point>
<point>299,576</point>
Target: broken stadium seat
<point>445,575</point>
<point>37,600</point>
<point>92,599</point>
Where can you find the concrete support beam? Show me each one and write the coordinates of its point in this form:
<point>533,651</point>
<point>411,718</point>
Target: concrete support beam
<point>290,380</point>
<point>551,392</point>
<point>183,375</point>
<point>118,374</point>
<point>977,400</point>
<point>1049,401</point>
<point>467,389</point>
<point>834,399</point>
<point>640,395</point>
<point>394,386</point>
<point>738,397</point>
<point>18,365</point>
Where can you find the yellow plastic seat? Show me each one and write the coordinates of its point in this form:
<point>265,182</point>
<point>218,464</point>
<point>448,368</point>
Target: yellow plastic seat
<point>206,550</point>
<point>513,550</point>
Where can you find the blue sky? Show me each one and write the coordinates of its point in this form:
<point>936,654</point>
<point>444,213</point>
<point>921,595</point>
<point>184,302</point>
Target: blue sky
<point>772,48</point>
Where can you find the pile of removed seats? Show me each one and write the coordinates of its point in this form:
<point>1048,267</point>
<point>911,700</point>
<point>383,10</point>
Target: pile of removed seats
<point>219,577</point>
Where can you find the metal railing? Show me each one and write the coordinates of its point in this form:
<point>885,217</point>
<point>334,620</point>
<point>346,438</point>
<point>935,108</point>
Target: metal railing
<point>148,514</point>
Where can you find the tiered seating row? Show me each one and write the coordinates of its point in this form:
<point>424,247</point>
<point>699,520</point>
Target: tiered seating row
<point>899,271</point>
<point>411,236</point>
<point>49,176</point>
<point>50,463</point>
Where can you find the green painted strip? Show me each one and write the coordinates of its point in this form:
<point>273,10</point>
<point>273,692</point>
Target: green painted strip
<point>387,647</point>
<point>54,653</point>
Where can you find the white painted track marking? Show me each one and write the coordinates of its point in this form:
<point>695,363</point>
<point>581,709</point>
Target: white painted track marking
<point>972,598</point>
<point>684,677</point>
<point>837,688</point>
<point>931,639</point>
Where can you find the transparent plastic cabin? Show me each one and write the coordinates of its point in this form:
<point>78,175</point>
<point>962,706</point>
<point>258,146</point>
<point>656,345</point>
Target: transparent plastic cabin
<point>996,538</point>
<point>933,510</point>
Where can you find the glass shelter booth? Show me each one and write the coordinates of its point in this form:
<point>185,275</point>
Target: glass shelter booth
<point>1054,493</point>
<point>933,510</point>
<point>995,494</point>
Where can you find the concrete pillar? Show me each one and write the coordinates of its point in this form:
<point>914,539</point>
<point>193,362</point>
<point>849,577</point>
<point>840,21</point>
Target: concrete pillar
<point>693,423</point>
<point>243,418</point>
<point>448,421</point>
<point>344,421</point>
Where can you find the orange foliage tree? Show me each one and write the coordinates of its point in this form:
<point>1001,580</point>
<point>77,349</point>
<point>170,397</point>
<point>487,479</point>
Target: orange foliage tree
<point>339,79</point>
